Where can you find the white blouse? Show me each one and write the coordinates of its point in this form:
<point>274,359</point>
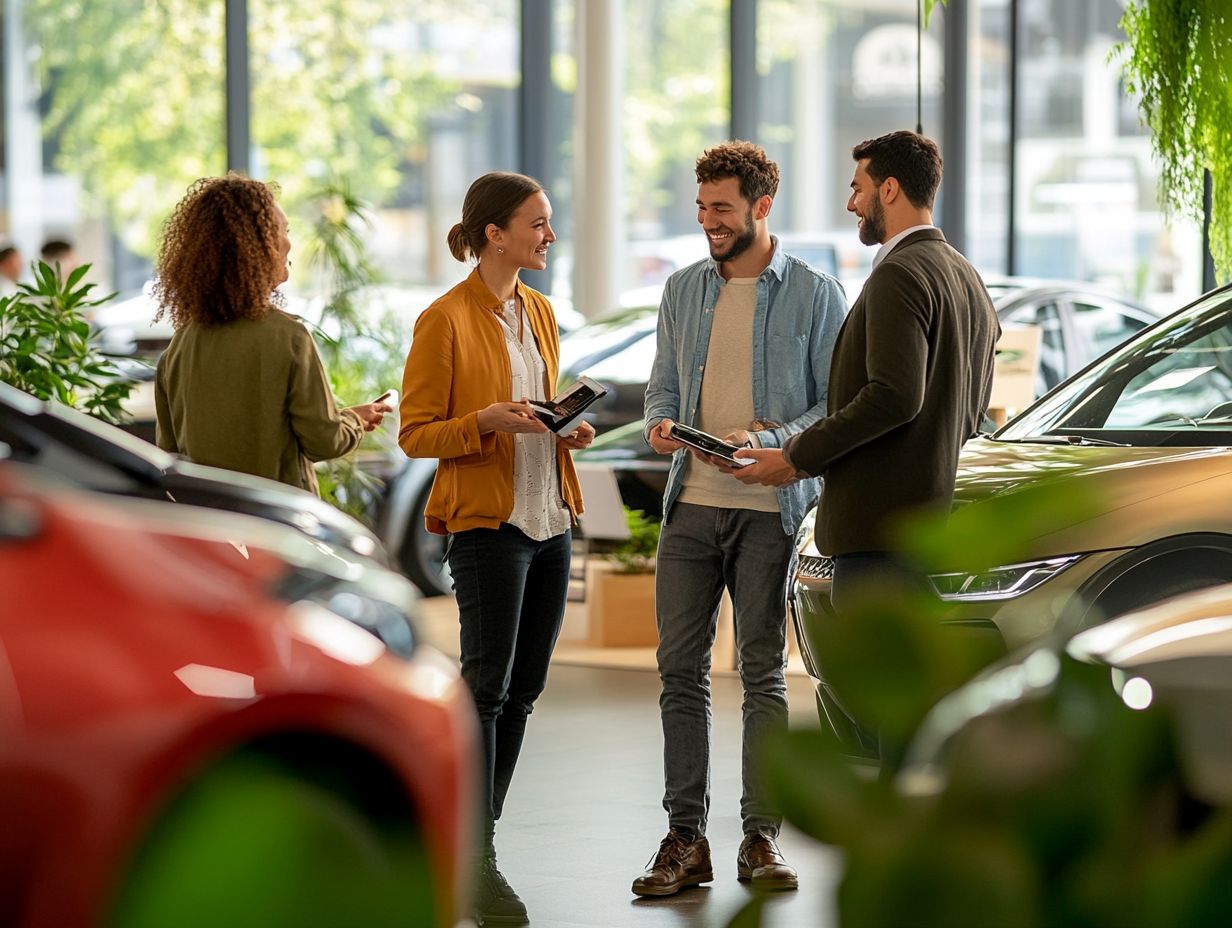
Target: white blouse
<point>538,509</point>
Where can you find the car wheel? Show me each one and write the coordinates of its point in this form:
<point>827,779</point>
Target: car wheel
<point>422,554</point>
<point>253,843</point>
<point>1160,572</point>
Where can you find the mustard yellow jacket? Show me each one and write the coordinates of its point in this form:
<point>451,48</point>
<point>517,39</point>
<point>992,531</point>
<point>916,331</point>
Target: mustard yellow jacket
<point>458,364</point>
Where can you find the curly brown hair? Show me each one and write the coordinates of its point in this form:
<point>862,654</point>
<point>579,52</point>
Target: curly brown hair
<point>219,258</point>
<point>745,161</point>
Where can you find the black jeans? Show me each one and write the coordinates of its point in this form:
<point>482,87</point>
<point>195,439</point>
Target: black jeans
<point>873,572</point>
<point>511,602</point>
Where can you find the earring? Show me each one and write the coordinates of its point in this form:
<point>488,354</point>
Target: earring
<point>500,251</point>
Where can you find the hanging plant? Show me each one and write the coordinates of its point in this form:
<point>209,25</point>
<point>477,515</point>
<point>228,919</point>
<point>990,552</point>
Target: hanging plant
<point>929,6</point>
<point>1176,63</point>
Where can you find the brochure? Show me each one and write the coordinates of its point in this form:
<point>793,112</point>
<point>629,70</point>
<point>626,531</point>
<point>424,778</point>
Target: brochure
<point>563,412</point>
<point>704,441</point>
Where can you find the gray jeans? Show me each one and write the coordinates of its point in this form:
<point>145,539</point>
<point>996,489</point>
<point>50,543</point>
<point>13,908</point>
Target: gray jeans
<point>701,550</point>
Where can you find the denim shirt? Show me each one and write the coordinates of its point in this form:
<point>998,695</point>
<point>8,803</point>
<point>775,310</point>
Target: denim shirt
<point>798,314</point>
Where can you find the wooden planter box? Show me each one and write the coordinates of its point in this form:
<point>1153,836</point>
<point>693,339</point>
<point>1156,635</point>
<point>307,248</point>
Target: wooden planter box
<point>620,608</point>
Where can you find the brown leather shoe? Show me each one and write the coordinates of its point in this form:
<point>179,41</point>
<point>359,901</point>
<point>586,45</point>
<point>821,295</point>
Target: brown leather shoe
<point>761,863</point>
<point>679,864</point>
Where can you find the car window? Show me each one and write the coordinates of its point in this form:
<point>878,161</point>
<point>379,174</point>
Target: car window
<point>631,364</point>
<point>1102,328</point>
<point>1046,316</point>
<point>1190,385</point>
<point>1169,384</point>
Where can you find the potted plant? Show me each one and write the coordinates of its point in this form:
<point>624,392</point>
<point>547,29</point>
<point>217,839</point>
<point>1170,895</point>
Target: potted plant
<point>620,588</point>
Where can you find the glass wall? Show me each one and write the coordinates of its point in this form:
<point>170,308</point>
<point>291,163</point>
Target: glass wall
<point>109,112</point>
<point>677,71</point>
<point>988,130</point>
<point>833,73</point>
<point>402,104</point>
<point>1087,205</point>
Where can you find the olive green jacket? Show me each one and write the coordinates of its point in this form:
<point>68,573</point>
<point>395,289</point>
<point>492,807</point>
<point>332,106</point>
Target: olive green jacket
<point>251,396</point>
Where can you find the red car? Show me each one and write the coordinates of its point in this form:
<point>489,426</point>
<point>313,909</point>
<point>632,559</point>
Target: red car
<point>209,719</point>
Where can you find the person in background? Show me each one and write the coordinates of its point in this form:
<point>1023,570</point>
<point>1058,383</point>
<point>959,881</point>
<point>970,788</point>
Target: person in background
<point>58,251</point>
<point>505,490</point>
<point>241,384</point>
<point>10,269</point>
<point>744,343</point>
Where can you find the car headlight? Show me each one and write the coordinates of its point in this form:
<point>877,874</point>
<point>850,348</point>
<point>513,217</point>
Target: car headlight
<point>381,609</point>
<point>1000,582</point>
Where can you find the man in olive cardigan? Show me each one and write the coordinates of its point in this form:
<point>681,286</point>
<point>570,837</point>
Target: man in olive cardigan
<point>910,378</point>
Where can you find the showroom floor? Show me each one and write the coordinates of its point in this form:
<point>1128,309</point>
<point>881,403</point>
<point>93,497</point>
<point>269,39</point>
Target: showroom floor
<point>583,814</point>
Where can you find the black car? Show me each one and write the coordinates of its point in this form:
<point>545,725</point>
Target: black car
<point>98,456</point>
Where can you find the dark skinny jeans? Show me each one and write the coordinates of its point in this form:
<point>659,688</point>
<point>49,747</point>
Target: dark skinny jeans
<point>511,602</point>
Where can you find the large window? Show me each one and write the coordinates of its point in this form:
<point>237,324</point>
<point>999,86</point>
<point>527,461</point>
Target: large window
<point>1087,202</point>
<point>677,65</point>
<point>109,112</point>
<point>833,73</point>
<point>405,104</point>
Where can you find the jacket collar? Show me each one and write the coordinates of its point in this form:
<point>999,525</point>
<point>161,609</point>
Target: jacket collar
<point>906,237</point>
<point>483,294</point>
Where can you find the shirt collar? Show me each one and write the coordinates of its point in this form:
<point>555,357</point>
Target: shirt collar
<point>777,265</point>
<point>889,246</point>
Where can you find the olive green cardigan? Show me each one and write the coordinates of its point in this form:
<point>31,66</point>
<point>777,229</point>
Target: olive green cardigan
<point>251,396</point>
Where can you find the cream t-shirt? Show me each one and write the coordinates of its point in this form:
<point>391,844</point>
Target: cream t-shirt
<point>726,401</point>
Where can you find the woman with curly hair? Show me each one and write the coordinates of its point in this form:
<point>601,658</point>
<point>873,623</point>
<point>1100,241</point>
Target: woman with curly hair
<point>241,385</point>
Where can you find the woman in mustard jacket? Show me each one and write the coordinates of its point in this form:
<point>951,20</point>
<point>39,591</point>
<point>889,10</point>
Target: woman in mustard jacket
<point>505,491</point>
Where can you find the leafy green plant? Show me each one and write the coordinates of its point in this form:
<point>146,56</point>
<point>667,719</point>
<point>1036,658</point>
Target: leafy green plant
<point>363,348</point>
<point>636,554</point>
<point>1054,806</point>
<point>1175,62</point>
<point>47,349</point>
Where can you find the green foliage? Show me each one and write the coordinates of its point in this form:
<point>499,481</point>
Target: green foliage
<point>1176,63</point>
<point>929,6</point>
<point>362,341</point>
<point>676,98</point>
<point>636,554</point>
<point>139,116</point>
<point>1053,806</point>
<point>47,349</point>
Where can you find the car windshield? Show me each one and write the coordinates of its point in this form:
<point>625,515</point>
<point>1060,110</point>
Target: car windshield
<point>1172,385</point>
<point>582,349</point>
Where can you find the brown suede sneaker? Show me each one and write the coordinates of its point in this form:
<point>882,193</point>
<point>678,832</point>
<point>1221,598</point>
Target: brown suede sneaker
<point>679,864</point>
<point>760,862</point>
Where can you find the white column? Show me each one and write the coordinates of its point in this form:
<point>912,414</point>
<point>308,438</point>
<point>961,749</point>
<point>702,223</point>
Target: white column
<point>599,213</point>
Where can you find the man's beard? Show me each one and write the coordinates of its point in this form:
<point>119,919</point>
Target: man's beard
<point>872,229</point>
<point>740,244</point>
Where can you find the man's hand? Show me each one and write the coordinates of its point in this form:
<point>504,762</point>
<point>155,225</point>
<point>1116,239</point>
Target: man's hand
<point>661,440</point>
<point>770,468</point>
<point>579,438</point>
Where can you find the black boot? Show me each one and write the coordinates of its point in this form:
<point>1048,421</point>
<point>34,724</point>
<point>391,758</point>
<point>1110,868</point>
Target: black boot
<point>495,901</point>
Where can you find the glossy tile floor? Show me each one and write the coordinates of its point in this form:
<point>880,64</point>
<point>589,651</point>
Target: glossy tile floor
<point>583,815</point>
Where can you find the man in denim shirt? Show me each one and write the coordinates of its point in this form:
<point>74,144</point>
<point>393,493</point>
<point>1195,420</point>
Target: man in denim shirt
<point>764,323</point>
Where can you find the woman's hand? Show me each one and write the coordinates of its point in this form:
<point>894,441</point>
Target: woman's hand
<point>372,414</point>
<point>510,417</point>
<point>581,437</point>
